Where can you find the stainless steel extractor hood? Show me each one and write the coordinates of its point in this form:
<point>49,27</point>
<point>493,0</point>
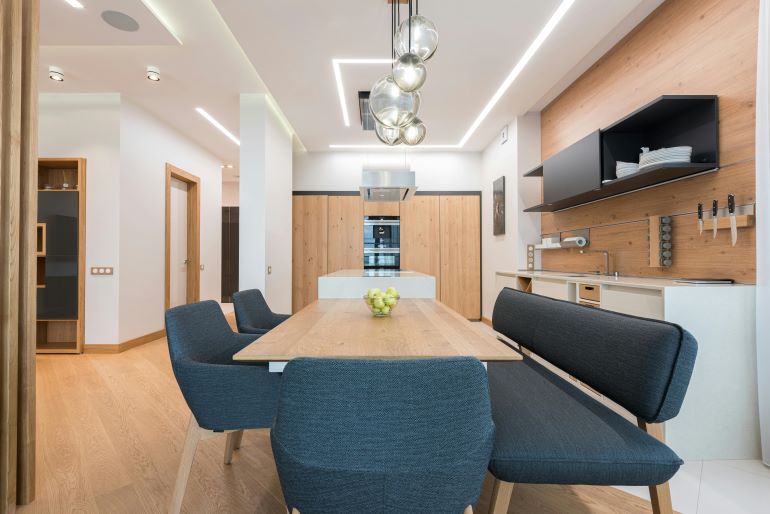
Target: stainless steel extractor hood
<point>387,186</point>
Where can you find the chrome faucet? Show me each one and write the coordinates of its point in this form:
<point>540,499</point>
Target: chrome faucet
<point>606,259</point>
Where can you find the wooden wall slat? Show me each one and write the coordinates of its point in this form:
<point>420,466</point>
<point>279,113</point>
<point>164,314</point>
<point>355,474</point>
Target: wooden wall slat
<point>309,247</point>
<point>346,233</point>
<point>683,47</point>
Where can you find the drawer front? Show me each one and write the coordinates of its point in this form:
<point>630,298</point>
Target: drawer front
<point>590,292</point>
<point>550,288</point>
<point>589,304</point>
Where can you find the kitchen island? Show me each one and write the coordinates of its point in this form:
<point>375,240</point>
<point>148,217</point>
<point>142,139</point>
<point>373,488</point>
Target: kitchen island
<point>353,283</point>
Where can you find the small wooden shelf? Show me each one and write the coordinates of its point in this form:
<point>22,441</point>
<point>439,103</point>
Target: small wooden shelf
<point>524,284</point>
<point>57,336</point>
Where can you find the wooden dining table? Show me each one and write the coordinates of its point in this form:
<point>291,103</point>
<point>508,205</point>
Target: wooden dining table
<point>346,329</point>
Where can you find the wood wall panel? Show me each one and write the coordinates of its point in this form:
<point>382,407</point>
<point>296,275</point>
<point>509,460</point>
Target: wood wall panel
<point>309,247</point>
<point>683,47</point>
<point>381,208</point>
<point>346,233</point>
<point>420,237</point>
<point>461,254</point>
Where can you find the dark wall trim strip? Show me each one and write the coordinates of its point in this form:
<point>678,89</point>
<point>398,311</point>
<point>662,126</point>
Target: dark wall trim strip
<point>356,193</point>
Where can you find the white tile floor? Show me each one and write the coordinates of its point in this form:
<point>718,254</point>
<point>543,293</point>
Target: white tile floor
<point>718,487</point>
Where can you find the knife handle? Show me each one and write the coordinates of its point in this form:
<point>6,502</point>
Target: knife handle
<point>714,208</point>
<point>731,203</point>
<point>700,211</point>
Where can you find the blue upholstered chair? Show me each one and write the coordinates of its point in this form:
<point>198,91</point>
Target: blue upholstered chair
<point>550,432</point>
<point>377,437</point>
<point>253,315</point>
<point>224,396</point>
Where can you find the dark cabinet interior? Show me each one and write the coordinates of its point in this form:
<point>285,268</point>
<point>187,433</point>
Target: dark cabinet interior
<point>585,171</point>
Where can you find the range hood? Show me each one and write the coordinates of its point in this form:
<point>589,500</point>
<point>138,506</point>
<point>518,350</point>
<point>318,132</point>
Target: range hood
<point>387,186</point>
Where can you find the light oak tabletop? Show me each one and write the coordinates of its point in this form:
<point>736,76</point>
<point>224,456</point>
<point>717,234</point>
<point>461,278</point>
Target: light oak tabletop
<point>417,328</point>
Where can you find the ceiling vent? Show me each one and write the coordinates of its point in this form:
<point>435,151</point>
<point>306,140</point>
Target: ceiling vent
<point>367,119</point>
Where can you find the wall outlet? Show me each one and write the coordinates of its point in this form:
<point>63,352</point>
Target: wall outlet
<point>101,270</point>
<point>504,135</point>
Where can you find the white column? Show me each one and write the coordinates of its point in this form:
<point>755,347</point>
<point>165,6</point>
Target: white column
<point>265,202</point>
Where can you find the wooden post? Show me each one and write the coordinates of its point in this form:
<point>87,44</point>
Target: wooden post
<point>660,495</point>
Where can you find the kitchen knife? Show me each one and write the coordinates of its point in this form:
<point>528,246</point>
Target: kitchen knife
<point>714,220</point>
<point>700,218</point>
<point>733,225</point>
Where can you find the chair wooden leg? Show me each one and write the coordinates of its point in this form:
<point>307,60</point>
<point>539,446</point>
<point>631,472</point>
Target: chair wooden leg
<point>660,495</point>
<point>468,509</point>
<point>501,497</point>
<point>231,445</point>
<point>188,454</point>
<point>238,439</point>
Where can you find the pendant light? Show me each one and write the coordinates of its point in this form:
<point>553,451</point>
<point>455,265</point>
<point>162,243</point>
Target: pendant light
<point>389,136</point>
<point>392,106</point>
<point>414,133</point>
<point>417,35</point>
<point>409,72</point>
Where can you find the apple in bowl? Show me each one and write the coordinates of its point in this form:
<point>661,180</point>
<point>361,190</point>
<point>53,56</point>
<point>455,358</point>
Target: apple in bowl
<point>381,303</point>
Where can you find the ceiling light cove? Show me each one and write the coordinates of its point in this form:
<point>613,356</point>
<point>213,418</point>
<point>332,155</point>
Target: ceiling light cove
<point>55,73</point>
<point>75,4</point>
<point>506,84</point>
<point>341,88</point>
<point>218,125</point>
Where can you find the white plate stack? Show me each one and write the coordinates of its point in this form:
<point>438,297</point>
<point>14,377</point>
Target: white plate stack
<point>624,169</point>
<point>676,154</point>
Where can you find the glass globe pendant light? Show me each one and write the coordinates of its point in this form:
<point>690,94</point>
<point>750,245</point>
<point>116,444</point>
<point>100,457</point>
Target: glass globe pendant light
<point>409,72</point>
<point>389,136</point>
<point>417,35</point>
<point>392,106</point>
<point>414,133</point>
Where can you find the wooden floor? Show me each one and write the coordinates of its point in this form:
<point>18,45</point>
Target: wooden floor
<point>110,433</point>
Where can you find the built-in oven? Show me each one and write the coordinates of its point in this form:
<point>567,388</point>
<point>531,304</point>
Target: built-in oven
<point>382,242</point>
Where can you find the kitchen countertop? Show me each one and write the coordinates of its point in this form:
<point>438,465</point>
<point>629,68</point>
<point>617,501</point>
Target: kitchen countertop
<point>589,278</point>
<point>367,273</point>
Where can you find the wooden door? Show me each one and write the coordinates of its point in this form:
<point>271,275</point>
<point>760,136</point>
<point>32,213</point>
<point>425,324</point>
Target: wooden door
<point>461,254</point>
<point>346,233</point>
<point>381,208</point>
<point>420,237</point>
<point>309,247</point>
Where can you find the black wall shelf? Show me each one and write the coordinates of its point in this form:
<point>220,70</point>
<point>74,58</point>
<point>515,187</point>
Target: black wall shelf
<point>668,121</point>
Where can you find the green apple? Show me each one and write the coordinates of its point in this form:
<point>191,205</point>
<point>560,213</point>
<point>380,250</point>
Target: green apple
<point>392,291</point>
<point>374,292</point>
<point>379,303</point>
<point>386,310</point>
<point>390,301</point>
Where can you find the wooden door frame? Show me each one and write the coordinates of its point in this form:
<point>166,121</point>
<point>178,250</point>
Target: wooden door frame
<point>193,233</point>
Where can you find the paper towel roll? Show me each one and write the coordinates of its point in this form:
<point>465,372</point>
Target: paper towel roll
<point>574,242</point>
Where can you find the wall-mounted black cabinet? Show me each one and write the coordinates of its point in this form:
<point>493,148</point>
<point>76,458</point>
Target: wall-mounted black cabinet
<point>585,171</point>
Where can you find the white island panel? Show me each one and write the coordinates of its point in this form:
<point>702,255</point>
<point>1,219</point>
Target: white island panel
<point>354,283</point>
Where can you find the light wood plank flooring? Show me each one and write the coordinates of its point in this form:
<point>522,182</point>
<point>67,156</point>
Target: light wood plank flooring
<point>110,433</point>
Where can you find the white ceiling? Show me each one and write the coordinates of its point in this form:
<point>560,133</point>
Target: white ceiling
<point>286,48</point>
<point>292,44</point>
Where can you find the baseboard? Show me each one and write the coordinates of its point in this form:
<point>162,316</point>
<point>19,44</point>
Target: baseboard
<point>125,345</point>
<point>486,321</point>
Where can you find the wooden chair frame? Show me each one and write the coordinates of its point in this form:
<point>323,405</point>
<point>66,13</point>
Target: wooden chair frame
<point>660,495</point>
<point>195,434</point>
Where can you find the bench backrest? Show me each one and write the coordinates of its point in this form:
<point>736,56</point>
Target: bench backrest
<point>641,364</point>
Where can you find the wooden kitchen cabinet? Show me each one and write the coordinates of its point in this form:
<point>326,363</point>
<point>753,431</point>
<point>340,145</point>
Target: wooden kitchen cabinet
<point>460,233</point>
<point>381,208</point>
<point>420,237</point>
<point>346,233</point>
<point>309,247</point>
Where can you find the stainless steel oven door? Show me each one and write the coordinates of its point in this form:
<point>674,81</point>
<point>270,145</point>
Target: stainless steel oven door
<point>382,258</point>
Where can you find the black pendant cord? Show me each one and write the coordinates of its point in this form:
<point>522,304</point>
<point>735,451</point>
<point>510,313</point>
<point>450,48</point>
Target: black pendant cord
<point>409,48</point>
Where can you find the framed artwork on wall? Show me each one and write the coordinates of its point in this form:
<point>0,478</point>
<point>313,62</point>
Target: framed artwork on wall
<point>498,206</point>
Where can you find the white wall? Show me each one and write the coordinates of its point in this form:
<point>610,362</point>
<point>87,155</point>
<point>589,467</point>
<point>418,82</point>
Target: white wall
<point>230,194</point>
<point>341,171</point>
<point>265,228</point>
<point>146,146</point>
<point>517,156</point>
<point>88,125</point>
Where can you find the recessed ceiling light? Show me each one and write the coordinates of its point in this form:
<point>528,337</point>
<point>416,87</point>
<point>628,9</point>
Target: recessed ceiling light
<point>153,73</point>
<point>75,4</point>
<point>120,21</point>
<point>56,73</point>
<point>523,61</point>
<point>218,125</point>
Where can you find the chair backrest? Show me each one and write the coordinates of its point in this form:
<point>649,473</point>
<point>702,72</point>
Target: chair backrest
<point>643,365</point>
<point>193,331</point>
<point>251,309</point>
<point>381,436</point>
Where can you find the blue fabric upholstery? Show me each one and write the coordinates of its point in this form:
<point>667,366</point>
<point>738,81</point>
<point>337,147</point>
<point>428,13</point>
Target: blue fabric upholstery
<point>253,315</point>
<point>374,436</point>
<point>549,432</point>
<point>643,365</point>
<point>222,394</point>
